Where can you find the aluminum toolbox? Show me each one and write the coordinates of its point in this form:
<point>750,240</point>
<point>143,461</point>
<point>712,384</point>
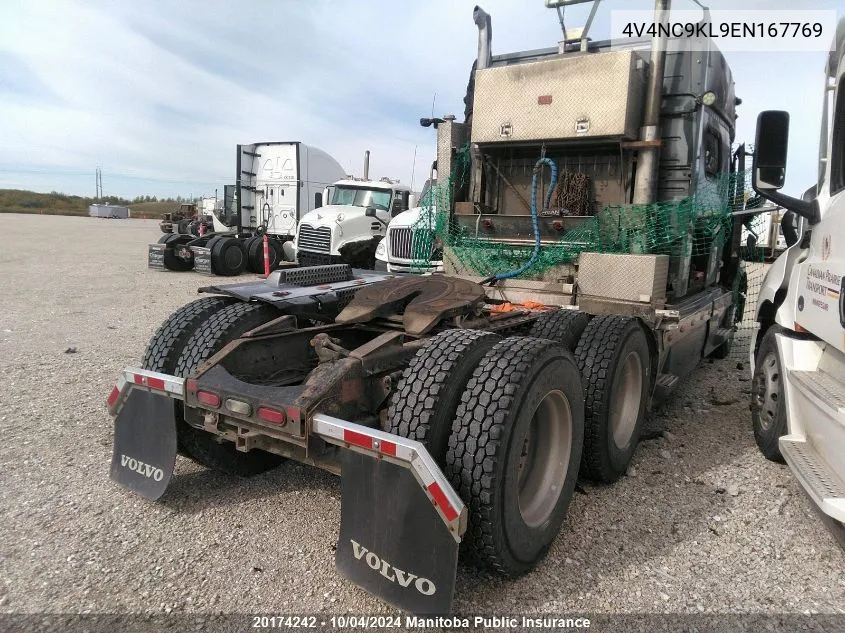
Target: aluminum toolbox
<point>623,277</point>
<point>597,95</point>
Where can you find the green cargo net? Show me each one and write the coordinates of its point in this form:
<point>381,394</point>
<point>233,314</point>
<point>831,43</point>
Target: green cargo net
<point>694,227</point>
<point>691,226</point>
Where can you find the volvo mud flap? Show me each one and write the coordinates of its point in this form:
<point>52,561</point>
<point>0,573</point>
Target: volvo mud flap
<point>401,522</point>
<point>202,260</point>
<point>155,256</point>
<point>144,451</point>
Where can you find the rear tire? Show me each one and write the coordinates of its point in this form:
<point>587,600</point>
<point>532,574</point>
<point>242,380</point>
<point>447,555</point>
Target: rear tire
<point>168,343</point>
<point>768,406</point>
<point>562,326</point>
<point>227,256</point>
<point>256,255</point>
<point>169,258</point>
<point>515,450</point>
<point>614,359</point>
<point>247,248</point>
<point>423,406</point>
<point>211,336</point>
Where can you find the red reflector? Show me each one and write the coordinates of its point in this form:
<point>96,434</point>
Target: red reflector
<point>388,448</point>
<point>115,392</point>
<point>208,398</point>
<point>440,499</point>
<point>271,415</point>
<point>801,328</point>
<point>544,99</point>
<point>358,439</point>
<point>191,384</point>
<point>152,383</point>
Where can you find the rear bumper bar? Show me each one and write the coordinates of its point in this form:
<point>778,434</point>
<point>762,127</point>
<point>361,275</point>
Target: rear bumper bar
<point>397,506</point>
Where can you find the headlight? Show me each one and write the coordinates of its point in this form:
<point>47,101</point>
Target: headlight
<point>381,249</point>
<point>340,217</point>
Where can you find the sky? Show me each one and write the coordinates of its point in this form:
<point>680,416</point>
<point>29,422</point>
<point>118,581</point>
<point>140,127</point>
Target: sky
<point>159,93</point>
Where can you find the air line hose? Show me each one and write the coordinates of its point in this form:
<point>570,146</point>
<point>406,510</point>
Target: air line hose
<point>534,221</point>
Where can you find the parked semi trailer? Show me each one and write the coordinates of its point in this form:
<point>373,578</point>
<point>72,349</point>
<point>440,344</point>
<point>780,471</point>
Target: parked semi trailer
<point>798,360</point>
<point>276,184</point>
<point>456,415</point>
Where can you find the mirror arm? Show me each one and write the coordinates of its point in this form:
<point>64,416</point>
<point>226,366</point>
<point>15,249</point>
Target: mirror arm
<point>809,210</point>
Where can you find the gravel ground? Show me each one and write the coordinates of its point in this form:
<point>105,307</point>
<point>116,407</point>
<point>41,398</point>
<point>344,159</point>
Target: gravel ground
<point>702,523</point>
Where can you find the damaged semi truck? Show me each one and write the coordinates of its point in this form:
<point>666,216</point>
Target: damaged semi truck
<point>458,414</point>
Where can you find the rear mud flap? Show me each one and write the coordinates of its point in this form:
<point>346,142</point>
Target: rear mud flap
<point>202,260</point>
<point>392,541</point>
<point>145,443</point>
<point>155,256</point>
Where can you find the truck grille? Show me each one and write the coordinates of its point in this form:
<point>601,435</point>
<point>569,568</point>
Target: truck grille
<point>311,239</point>
<point>400,243</point>
<point>406,243</point>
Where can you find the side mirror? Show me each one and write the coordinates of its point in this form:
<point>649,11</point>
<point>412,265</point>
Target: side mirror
<point>318,200</point>
<point>769,165</point>
<point>770,150</point>
<point>370,212</point>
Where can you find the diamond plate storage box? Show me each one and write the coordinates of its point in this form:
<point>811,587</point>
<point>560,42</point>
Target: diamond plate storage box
<point>637,278</point>
<point>597,95</point>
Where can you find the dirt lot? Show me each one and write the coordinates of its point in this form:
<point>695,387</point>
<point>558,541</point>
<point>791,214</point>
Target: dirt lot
<point>702,524</point>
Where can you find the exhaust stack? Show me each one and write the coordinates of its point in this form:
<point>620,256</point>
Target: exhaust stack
<point>485,37</point>
<point>645,187</point>
<point>367,165</point>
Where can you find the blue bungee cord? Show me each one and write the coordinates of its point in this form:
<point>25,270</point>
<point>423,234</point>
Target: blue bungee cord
<point>534,222</point>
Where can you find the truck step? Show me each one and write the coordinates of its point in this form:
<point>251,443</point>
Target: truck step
<point>822,385</point>
<point>822,484</point>
<point>666,381</point>
<point>724,333</point>
<point>248,173</point>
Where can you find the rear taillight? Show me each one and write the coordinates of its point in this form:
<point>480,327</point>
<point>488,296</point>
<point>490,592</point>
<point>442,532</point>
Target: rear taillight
<point>272,415</point>
<point>208,398</point>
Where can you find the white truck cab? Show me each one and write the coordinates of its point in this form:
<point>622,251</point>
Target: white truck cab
<point>798,360</point>
<point>351,223</point>
<point>409,245</point>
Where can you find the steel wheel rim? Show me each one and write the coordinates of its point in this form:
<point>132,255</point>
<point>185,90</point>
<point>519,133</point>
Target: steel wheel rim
<point>768,390</point>
<point>544,461</point>
<point>625,408</point>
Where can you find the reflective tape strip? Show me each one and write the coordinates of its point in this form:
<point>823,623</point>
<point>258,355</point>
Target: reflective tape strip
<point>405,452</point>
<point>132,378</point>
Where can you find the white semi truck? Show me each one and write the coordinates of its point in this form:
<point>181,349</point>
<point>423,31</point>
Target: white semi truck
<point>276,184</point>
<point>409,245</point>
<point>798,360</point>
<point>352,221</point>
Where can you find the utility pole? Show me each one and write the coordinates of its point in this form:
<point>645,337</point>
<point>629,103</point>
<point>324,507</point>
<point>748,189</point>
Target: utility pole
<point>98,184</point>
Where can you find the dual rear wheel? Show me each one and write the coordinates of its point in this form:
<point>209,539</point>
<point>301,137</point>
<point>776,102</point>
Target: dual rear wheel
<point>189,337</point>
<point>512,422</point>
